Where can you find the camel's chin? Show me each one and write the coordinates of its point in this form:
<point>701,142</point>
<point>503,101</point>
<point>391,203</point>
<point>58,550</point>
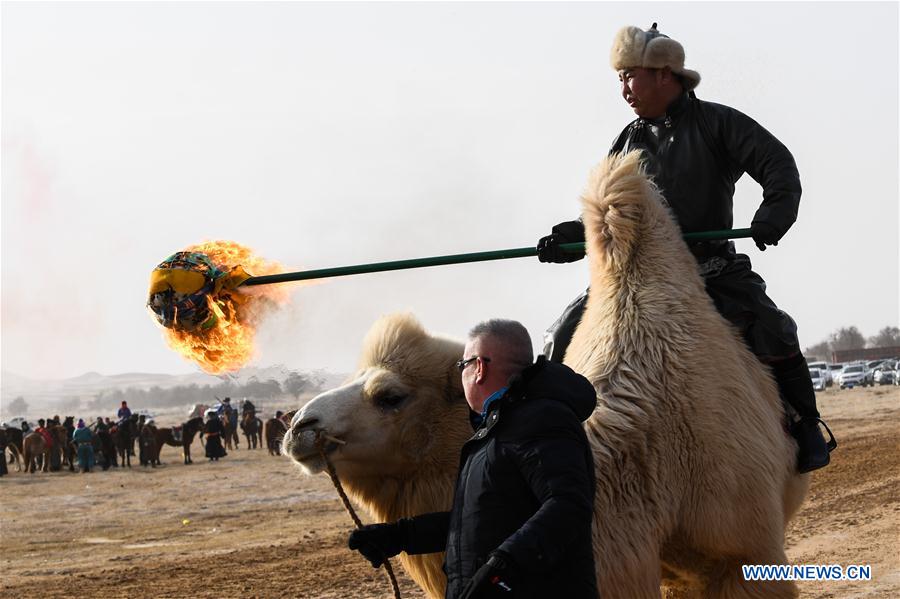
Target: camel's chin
<point>309,458</point>
<point>310,465</point>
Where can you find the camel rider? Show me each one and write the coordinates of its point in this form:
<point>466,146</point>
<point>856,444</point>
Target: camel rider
<point>124,413</point>
<point>696,151</point>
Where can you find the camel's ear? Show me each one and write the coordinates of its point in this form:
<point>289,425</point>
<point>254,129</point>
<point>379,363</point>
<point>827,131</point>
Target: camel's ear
<point>614,206</point>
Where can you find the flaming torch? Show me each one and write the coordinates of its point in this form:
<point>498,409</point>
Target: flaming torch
<point>210,304</point>
<point>196,295</point>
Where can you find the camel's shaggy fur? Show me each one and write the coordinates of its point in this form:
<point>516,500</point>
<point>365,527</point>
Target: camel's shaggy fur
<point>695,473</point>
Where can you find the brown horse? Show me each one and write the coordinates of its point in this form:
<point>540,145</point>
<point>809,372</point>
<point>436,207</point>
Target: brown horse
<point>105,448</point>
<point>181,436</point>
<point>14,447</point>
<point>66,446</point>
<point>229,433</point>
<point>275,430</point>
<point>252,427</point>
<point>34,445</point>
<point>124,436</point>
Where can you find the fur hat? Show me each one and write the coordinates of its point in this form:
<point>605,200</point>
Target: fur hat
<point>634,47</point>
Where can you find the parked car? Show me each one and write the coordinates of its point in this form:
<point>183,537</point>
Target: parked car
<point>885,373</point>
<point>824,371</point>
<point>818,378</point>
<point>835,370</point>
<point>852,375</point>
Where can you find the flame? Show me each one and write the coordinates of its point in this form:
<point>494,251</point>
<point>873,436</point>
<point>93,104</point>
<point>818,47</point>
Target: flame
<point>228,345</point>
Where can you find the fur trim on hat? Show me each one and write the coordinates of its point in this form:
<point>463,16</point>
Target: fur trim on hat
<point>634,47</point>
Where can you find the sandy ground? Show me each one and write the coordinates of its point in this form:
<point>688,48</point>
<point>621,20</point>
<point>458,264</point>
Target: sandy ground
<point>253,526</point>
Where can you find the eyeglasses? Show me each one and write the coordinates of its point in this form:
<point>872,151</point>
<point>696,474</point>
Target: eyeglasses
<point>461,364</point>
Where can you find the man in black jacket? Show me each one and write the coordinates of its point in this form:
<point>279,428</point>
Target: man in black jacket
<point>520,524</point>
<point>696,151</point>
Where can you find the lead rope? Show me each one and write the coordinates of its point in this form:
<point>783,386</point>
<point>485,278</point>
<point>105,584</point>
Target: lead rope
<point>320,445</point>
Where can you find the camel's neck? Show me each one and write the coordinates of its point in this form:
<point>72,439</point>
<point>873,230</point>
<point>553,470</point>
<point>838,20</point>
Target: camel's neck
<point>387,499</point>
<point>391,498</point>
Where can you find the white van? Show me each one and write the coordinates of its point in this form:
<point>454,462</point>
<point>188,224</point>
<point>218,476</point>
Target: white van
<point>826,372</point>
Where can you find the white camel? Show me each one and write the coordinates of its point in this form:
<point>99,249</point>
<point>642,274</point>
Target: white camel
<point>695,471</point>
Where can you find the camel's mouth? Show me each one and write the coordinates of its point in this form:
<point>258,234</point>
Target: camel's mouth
<point>306,448</point>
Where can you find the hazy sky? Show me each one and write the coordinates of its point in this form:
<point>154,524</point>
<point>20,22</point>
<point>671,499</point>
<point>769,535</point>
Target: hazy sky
<point>332,134</point>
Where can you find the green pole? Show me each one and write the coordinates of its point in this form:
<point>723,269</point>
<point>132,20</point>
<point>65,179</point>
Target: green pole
<point>340,271</point>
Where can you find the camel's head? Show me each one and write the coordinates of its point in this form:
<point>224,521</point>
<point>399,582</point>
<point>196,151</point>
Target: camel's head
<point>395,414</point>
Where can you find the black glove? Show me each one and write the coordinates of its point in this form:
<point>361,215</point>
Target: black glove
<point>568,232</point>
<point>378,542</point>
<point>492,579</point>
<point>764,234</point>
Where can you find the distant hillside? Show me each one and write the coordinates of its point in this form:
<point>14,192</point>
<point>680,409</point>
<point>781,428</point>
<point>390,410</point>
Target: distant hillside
<point>40,393</point>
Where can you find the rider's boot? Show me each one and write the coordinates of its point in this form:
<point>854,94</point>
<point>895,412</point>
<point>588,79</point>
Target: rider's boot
<point>559,335</point>
<point>795,384</point>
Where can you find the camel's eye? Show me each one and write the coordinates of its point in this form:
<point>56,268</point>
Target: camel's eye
<point>389,401</point>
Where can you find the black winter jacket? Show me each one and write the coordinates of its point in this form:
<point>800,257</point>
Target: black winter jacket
<point>696,154</point>
<point>525,488</point>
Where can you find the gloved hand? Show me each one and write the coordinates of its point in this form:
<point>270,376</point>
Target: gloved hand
<point>378,542</point>
<point>568,232</point>
<point>493,579</point>
<point>764,234</point>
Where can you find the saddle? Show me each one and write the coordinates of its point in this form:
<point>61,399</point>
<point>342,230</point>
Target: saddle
<point>177,433</point>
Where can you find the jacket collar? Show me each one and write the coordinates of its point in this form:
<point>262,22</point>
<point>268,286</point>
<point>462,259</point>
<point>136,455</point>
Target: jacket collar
<point>678,105</point>
<point>515,389</point>
<point>673,112</point>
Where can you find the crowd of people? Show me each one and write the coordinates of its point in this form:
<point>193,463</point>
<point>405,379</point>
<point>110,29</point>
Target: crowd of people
<point>93,444</point>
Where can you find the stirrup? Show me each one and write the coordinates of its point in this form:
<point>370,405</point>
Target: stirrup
<point>831,444</point>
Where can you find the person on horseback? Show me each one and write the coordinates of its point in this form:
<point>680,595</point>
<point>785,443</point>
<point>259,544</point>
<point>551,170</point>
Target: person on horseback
<point>696,151</point>
<point>232,415</point>
<point>225,403</point>
<point>248,406</point>
<point>42,431</point>
<point>124,413</point>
